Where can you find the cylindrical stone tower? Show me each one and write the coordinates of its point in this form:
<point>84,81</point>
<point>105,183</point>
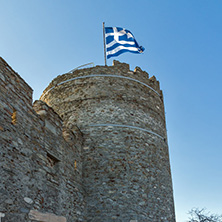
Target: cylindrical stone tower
<point>126,168</point>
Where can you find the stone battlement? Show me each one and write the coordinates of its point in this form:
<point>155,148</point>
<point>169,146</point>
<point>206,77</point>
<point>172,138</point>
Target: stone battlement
<point>118,69</point>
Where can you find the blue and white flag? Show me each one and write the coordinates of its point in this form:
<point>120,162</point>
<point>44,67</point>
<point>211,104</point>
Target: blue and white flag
<point>119,40</point>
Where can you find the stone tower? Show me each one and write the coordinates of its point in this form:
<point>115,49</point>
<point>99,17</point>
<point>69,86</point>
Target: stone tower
<point>125,163</point>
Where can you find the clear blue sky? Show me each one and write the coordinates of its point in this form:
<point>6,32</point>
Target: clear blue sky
<point>41,39</point>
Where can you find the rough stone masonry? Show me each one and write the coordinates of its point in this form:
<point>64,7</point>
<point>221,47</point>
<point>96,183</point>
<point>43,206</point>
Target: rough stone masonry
<point>93,148</point>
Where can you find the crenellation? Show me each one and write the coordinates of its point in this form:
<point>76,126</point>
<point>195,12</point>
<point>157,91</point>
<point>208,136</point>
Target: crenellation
<point>154,83</point>
<point>118,70</point>
<point>139,71</point>
<point>124,67</point>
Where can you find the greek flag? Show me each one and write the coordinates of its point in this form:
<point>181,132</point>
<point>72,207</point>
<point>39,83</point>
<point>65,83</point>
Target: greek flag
<point>120,40</point>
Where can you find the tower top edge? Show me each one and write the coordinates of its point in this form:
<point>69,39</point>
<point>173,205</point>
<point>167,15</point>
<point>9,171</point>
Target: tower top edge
<point>124,67</point>
<point>117,69</point>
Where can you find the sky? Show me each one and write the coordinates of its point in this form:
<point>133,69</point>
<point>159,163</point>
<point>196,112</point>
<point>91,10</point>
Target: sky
<point>41,39</point>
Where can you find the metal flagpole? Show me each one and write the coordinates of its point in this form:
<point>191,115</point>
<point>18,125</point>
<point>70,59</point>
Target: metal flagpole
<point>104,42</point>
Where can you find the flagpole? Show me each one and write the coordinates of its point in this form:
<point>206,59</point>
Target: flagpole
<point>104,43</point>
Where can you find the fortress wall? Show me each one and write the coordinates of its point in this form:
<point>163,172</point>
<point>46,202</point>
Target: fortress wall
<point>126,169</point>
<point>103,158</point>
<point>40,160</point>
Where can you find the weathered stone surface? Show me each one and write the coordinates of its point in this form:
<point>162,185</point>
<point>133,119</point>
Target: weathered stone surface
<point>126,171</point>
<point>37,168</point>
<point>45,217</point>
<point>94,148</point>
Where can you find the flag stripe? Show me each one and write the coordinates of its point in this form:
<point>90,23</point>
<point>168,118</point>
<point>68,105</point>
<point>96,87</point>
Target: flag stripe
<point>120,42</point>
<point>125,45</point>
<point>120,52</point>
<point>120,48</point>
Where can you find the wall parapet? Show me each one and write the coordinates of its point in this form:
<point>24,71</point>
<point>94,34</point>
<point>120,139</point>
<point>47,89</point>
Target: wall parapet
<point>117,70</point>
